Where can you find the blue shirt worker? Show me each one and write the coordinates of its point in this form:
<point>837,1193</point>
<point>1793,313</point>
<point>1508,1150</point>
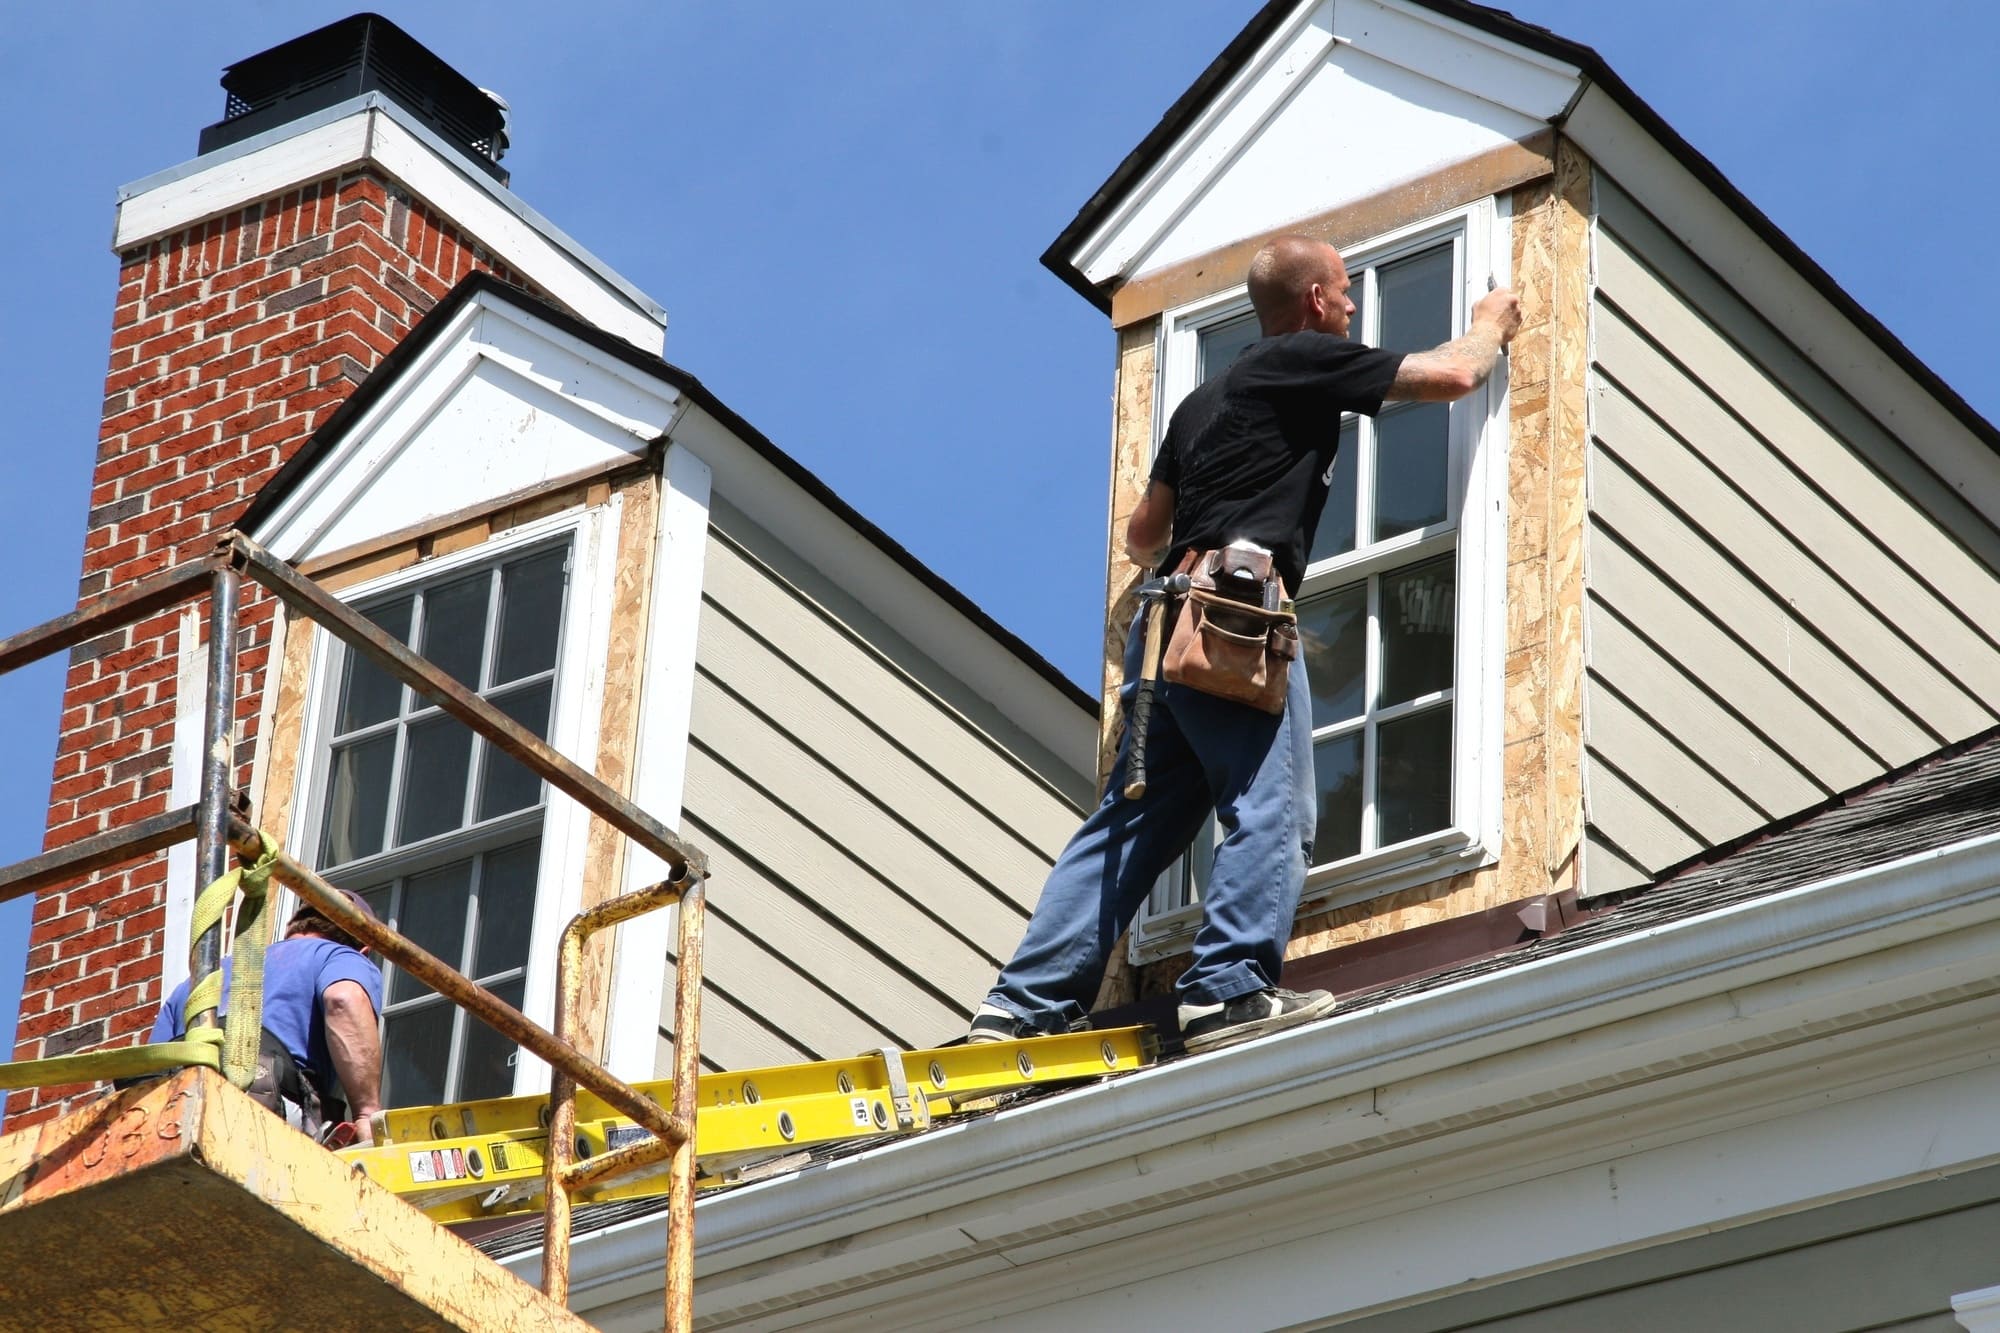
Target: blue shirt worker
<point>1248,457</point>
<point>321,1062</point>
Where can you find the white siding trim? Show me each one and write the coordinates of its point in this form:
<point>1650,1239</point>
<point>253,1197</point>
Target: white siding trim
<point>190,707</point>
<point>1979,1311</point>
<point>638,975</point>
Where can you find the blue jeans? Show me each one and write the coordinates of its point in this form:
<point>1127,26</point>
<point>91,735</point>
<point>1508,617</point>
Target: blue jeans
<point>1203,754</point>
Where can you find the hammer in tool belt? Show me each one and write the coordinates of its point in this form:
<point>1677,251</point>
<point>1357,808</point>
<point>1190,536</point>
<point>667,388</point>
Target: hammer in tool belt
<point>1154,594</point>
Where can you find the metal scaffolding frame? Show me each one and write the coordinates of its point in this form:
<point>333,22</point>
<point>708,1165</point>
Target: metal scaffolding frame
<point>219,832</point>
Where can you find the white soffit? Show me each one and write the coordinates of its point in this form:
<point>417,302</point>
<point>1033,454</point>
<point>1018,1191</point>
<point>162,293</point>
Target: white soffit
<point>1775,289</point>
<point>370,128</point>
<point>499,403</point>
<point>1344,100</point>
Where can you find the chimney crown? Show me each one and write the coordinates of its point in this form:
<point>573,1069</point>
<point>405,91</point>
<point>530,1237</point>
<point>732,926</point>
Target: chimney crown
<point>359,54</point>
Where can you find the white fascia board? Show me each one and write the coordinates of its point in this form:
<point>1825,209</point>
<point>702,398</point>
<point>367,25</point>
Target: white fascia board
<point>1231,117</point>
<point>1160,1128</point>
<point>1770,285</point>
<point>1517,88</point>
<point>372,128</point>
<point>747,480</point>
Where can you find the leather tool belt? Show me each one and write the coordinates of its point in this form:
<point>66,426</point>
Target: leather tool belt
<point>1237,635</point>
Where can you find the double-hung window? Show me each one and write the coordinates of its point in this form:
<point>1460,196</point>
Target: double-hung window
<point>1400,596</point>
<point>437,828</point>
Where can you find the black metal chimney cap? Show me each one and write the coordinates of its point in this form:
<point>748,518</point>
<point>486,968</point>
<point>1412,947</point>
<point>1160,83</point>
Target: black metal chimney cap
<point>359,54</point>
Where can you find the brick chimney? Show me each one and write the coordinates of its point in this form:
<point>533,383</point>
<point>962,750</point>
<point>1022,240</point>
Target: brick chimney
<point>353,179</point>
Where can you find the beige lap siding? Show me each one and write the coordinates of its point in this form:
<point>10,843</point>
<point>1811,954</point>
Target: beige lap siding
<point>876,850</point>
<point>1784,602</point>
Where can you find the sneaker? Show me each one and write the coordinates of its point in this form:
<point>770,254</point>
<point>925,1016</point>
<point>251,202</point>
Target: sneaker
<point>992,1023</point>
<point>1205,1027</point>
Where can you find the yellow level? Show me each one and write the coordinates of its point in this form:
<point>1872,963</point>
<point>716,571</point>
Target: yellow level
<point>484,1159</point>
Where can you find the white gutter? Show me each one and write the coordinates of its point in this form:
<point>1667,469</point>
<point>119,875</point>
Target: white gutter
<point>910,1187</point>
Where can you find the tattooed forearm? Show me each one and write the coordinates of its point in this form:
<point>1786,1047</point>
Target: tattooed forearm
<point>1449,371</point>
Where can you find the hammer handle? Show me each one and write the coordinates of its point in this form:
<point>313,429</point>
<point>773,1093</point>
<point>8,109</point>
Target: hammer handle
<point>1141,717</point>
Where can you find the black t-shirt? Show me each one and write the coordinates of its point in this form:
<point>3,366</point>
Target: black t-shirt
<point>1249,453</point>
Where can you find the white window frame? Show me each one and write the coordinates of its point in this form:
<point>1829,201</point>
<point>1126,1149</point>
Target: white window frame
<point>576,708</point>
<point>1478,480</point>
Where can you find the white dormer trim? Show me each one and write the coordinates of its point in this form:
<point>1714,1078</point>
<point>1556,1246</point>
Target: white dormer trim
<point>1507,91</point>
<point>374,130</point>
<point>392,470</point>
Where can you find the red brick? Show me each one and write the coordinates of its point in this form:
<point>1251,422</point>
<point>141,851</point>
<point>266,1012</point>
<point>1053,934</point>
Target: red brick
<point>83,988</point>
<point>108,799</point>
<point>116,956</point>
<point>42,1025</point>
<point>199,353</point>
<point>95,937</point>
<point>153,562</point>
<point>143,924</point>
<point>221,408</point>
<point>63,831</point>
<point>116,1001</point>
<point>164,343</point>
<point>124,464</point>
<point>134,336</point>
<point>146,807</point>
<point>191,398</point>
<point>46,979</point>
<point>138,1020</point>
<point>166,428</point>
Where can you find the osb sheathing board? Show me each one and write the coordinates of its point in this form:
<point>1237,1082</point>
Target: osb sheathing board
<point>1541,797</point>
<point>617,738</point>
<point>182,1204</point>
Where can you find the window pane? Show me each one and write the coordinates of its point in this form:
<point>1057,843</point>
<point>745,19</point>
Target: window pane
<point>1335,534</point>
<point>1333,635</point>
<point>1337,770</point>
<point>506,908</point>
<point>367,692</point>
<point>1222,344</point>
<point>416,1052</point>
<point>433,917</point>
<point>436,760</point>
<point>1417,606</point>
<point>1412,456</point>
<point>455,627</point>
<point>507,784</point>
<point>1416,300</point>
<point>488,1067</point>
<point>531,595</point>
<point>1413,790</point>
<point>379,897</point>
<point>357,799</point>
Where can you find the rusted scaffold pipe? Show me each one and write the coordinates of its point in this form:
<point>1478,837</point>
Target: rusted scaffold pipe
<point>562,1174</point>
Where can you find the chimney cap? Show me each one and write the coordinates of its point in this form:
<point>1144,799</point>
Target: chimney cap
<point>359,54</point>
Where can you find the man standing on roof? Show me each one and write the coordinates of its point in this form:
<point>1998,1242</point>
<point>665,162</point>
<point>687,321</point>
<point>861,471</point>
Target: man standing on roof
<point>321,1061</point>
<point>1248,455</point>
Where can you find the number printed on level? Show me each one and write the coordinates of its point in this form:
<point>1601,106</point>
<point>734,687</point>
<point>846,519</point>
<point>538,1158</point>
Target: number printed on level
<point>860,1108</point>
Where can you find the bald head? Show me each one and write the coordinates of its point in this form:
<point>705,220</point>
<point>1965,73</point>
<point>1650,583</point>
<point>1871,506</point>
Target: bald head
<point>1298,283</point>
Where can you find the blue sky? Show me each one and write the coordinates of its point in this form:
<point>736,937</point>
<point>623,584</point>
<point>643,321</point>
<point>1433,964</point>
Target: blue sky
<point>842,208</point>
